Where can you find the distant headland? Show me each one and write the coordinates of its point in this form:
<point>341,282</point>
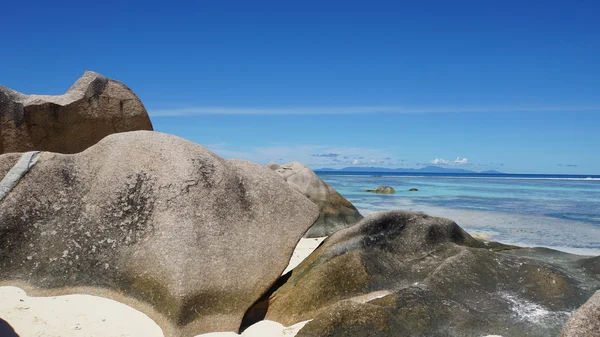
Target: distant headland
<point>426,169</point>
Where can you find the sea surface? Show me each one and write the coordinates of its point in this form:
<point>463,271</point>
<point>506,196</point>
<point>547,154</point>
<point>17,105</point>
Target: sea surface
<point>555,211</point>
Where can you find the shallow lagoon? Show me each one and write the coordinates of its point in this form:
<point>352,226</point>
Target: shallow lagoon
<point>545,211</point>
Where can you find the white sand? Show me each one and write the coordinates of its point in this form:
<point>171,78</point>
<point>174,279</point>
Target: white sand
<point>93,316</point>
<point>72,316</point>
<point>262,329</point>
<point>302,251</point>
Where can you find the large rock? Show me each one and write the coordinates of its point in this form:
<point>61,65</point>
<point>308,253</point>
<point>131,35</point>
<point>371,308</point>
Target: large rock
<point>408,274</point>
<point>91,109</point>
<point>585,322</point>
<point>156,222</point>
<point>335,211</point>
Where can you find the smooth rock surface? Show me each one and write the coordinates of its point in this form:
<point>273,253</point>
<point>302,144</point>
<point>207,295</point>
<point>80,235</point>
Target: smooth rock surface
<point>401,273</point>
<point>336,212</point>
<point>91,109</point>
<point>155,222</point>
<point>585,322</point>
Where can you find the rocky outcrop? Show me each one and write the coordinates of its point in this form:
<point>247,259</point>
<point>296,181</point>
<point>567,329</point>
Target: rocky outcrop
<point>335,211</point>
<point>155,222</point>
<point>382,190</point>
<point>91,109</point>
<point>401,273</point>
<point>585,322</point>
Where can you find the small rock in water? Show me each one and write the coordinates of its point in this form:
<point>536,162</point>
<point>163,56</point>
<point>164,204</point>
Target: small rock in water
<point>413,190</point>
<point>382,190</point>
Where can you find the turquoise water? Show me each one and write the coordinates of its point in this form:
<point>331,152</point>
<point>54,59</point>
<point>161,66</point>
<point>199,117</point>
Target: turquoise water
<point>558,213</point>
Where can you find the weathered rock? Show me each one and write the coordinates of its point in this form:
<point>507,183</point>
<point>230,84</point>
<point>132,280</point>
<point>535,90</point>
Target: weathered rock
<point>592,265</point>
<point>335,211</point>
<point>585,322</point>
<point>401,273</point>
<point>91,109</point>
<point>156,222</point>
<point>382,190</point>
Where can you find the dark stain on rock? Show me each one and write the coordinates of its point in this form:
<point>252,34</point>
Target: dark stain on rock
<point>205,303</point>
<point>133,209</point>
<point>70,251</point>
<point>97,86</point>
<point>243,198</point>
<point>206,172</point>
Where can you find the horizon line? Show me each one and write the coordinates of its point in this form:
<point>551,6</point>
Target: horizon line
<point>346,110</point>
<point>593,175</point>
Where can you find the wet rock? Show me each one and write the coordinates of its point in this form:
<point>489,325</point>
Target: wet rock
<point>399,273</point>
<point>413,190</point>
<point>153,221</point>
<point>94,107</point>
<point>335,211</point>
<point>382,190</point>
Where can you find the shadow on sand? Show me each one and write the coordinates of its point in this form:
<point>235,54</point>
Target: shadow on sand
<point>6,330</point>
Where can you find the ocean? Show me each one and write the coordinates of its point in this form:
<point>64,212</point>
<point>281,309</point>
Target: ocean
<point>556,211</point>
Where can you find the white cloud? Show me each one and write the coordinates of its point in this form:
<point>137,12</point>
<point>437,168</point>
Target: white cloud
<point>459,161</point>
<point>345,156</point>
<point>367,109</point>
<point>444,162</point>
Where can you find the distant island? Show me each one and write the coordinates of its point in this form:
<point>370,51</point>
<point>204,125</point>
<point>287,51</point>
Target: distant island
<point>426,169</point>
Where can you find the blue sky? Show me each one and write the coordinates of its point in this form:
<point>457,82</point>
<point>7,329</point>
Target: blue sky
<point>508,85</point>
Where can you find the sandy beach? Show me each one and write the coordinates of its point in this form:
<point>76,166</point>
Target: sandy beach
<point>303,250</point>
<point>93,316</point>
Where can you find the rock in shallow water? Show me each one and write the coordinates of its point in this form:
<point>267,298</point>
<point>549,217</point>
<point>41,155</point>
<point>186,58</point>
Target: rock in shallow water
<point>407,274</point>
<point>382,190</point>
<point>91,109</point>
<point>154,221</point>
<point>335,211</point>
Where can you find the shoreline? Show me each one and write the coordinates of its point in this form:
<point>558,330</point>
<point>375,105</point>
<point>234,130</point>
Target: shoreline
<point>513,229</point>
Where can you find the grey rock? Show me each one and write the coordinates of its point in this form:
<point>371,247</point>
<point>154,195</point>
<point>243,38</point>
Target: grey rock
<point>11,179</point>
<point>585,322</point>
<point>382,190</point>
<point>400,273</point>
<point>91,109</point>
<point>592,265</point>
<point>156,222</point>
<point>336,212</point>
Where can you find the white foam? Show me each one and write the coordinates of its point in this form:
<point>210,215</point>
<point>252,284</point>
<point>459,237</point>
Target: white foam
<point>532,312</point>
